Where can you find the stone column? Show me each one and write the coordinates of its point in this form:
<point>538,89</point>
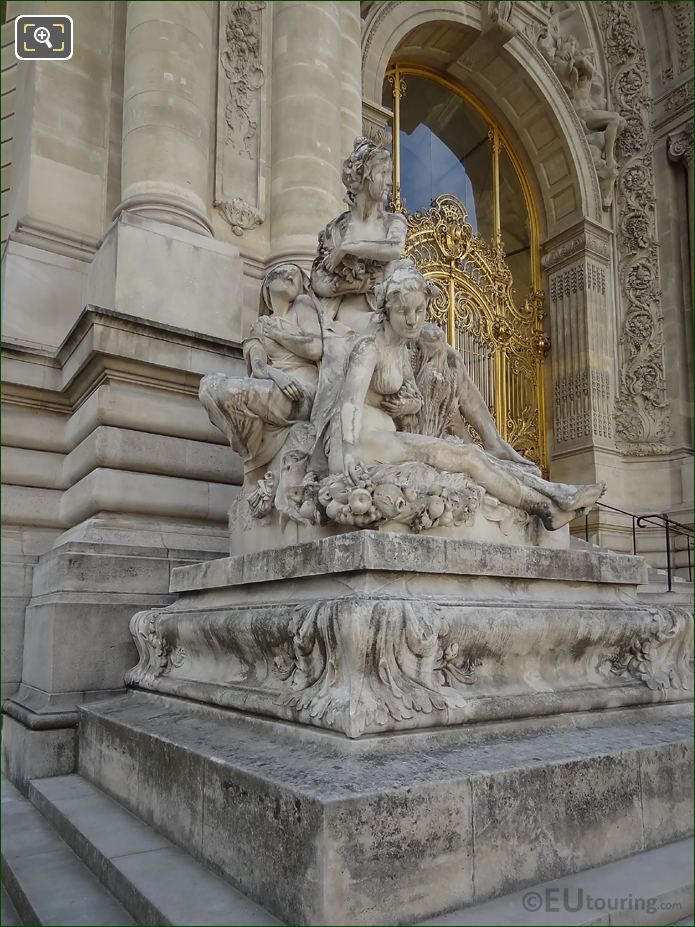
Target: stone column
<point>167,107</point>
<point>351,74</point>
<point>307,102</point>
<point>160,261</point>
<point>581,352</point>
<point>680,149</point>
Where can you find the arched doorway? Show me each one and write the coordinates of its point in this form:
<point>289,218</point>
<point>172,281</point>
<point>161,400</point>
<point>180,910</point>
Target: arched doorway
<point>473,229</point>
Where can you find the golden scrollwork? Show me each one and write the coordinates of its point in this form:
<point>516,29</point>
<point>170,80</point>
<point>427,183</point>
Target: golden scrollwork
<point>503,344</point>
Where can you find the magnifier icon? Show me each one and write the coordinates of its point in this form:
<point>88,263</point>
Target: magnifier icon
<point>43,36</point>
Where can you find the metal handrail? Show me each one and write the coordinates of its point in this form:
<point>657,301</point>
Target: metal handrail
<point>664,521</point>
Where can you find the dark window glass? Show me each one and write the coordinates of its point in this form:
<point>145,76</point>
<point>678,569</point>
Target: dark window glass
<point>444,149</point>
<point>515,228</point>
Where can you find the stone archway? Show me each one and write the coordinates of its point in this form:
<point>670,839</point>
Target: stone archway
<point>513,80</point>
<point>500,64</point>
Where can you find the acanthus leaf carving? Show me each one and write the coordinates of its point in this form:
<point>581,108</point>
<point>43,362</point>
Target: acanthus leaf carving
<point>680,145</point>
<point>409,665</point>
<point>642,414</point>
<point>157,655</point>
<point>659,658</point>
<point>242,77</point>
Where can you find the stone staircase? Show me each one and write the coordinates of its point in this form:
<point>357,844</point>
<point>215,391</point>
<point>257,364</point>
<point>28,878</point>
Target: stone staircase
<point>655,591</point>
<point>71,856</point>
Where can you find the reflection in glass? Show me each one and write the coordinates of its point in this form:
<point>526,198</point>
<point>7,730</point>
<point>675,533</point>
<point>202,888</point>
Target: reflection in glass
<point>515,228</point>
<point>444,149</point>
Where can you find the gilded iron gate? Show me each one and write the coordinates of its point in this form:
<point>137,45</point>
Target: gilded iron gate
<point>503,346</point>
<point>503,343</point>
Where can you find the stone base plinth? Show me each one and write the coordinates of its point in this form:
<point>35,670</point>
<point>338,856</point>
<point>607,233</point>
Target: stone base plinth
<point>76,643</point>
<point>321,829</point>
<point>373,632</point>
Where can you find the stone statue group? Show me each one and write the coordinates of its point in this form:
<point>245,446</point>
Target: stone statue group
<point>355,411</point>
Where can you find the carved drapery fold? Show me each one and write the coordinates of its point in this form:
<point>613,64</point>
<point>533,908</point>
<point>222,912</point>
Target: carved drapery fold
<point>642,415</point>
<point>241,77</point>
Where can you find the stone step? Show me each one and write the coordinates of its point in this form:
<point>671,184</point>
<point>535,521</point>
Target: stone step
<point>664,597</point>
<point>156,881</point>
<point>8,912</point>
<point>46,882</point>
<point>165,887</point>
<point>655,887</point>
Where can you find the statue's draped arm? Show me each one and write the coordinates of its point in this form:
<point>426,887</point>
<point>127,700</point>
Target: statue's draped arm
<point>307,345</point>
<point>385,251</point>
<point>256,357</point>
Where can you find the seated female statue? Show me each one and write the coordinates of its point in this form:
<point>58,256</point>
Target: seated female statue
<point>282,354</point>
<point>379,388</point>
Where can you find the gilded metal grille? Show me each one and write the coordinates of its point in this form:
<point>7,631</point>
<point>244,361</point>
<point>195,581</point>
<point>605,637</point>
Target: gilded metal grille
<point>503,346</point>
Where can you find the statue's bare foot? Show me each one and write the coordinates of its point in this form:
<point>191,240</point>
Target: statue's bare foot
<point>582,497</point>
<point>559,519</point>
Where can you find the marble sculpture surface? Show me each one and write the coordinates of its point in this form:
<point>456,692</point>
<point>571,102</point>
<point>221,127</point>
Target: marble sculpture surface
<point>355,412</point>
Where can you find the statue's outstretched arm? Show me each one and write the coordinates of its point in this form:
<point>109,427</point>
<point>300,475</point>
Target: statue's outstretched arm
<point>474,409</point>
<point>472,405</point>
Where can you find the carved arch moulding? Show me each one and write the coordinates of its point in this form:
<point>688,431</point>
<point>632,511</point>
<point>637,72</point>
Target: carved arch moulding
<point>241,78</point>
<point>551,140</point>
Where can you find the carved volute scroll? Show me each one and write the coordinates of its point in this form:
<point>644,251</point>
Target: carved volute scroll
<point>241,78</point>
<point>503,345</point>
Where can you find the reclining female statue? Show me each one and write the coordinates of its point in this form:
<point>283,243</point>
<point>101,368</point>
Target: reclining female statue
<point>379,388</point>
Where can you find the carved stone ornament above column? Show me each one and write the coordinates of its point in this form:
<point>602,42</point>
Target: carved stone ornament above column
<point>680,145</point>
<point>498,26</point>
<point>642,414</point>
<point>376,123</point>
<point>595,241</point>
<point>241,78</point>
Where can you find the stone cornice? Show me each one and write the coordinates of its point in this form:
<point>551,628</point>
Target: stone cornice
<point>585,238</point>
<point>106,340</point>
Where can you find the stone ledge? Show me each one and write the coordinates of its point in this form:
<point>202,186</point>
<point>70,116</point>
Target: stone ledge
<point>374,550</point>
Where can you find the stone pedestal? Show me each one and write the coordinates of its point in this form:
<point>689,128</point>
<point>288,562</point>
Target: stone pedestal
<point>145,268</point>
<point>371,632</point>
<point>76,645</point>
<point>320,829</point>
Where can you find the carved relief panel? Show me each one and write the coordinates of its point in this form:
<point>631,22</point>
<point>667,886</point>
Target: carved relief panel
<point>241,85</point>
<point>642,413</point>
